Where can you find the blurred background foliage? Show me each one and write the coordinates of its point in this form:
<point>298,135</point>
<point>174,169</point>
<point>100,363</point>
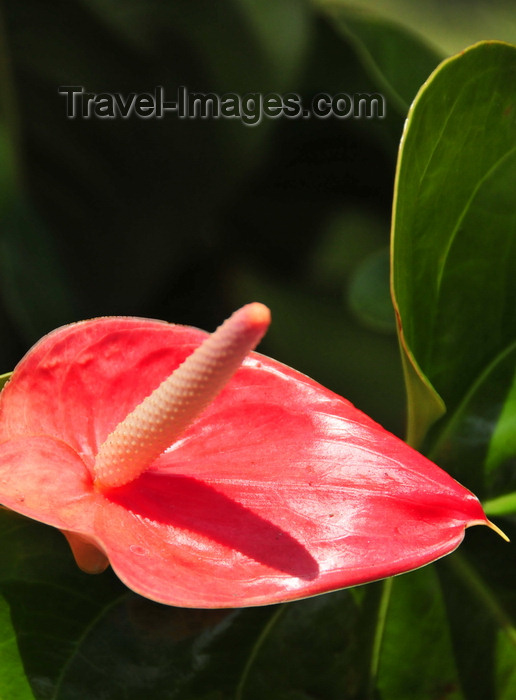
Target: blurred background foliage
<point>186,219</point>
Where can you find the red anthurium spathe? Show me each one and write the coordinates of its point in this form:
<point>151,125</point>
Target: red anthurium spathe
<point>222,480</point>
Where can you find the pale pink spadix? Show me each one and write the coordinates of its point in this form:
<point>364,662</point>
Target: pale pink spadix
<point>158,421</point>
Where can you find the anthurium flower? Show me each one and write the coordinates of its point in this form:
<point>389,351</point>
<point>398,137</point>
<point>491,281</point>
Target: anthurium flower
<point>211,476</point>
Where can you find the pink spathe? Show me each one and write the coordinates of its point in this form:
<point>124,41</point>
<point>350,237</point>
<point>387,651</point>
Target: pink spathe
<point>279,489</point>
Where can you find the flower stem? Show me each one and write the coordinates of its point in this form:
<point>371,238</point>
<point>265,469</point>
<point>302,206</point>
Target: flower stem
<point>379,635</point>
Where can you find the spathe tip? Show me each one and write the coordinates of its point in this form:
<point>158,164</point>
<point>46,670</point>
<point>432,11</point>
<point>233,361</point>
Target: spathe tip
<point>497,530</point>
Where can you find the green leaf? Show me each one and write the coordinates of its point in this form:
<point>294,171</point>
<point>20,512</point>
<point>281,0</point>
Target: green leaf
<point>51,608</point>
<point>479,585</point>
<point>454,229</point>
<point>369,297</point>
<point>416,657</point>
<point>502,445</point>
<point>13,683</point>
<point>316,635</point>
<point>357,643</point>
<point>454,285</point>
<point>475,442</point>
<point>501,505</point>
<point>399,59</point>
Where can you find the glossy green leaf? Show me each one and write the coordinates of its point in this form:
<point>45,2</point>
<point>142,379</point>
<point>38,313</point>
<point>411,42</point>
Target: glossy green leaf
<point>454,227</point>
<point>454,284</point>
